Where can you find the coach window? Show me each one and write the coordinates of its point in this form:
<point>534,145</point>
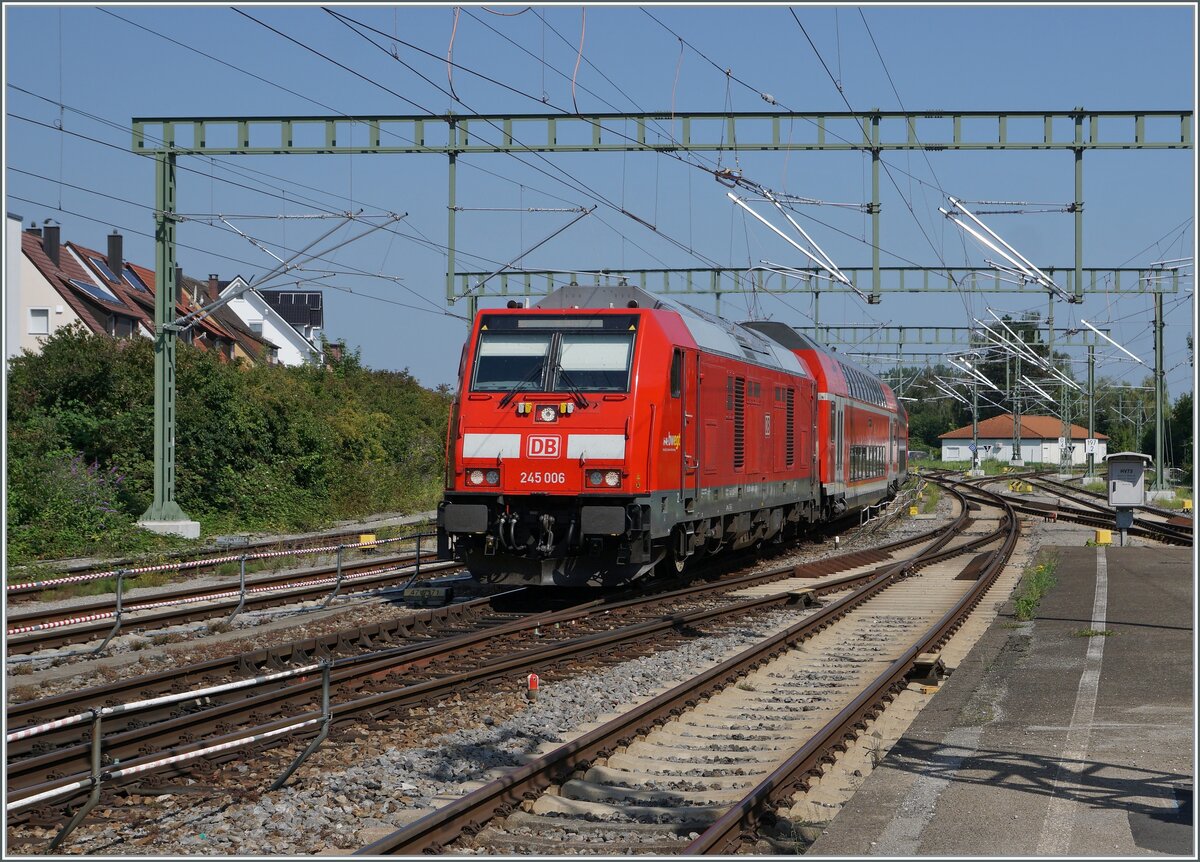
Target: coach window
<point>676,373</point>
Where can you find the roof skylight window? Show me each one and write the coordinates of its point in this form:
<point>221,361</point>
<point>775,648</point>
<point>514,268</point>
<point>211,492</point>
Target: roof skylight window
<point>131,278</point>
<point>103,268</point>
<point>95,290</point>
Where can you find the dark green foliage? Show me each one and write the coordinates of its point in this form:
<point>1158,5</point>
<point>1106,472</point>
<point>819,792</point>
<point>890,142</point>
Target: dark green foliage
<point>256,447</point>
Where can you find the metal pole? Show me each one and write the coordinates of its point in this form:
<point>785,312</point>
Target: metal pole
<point>94,797</point>
<point>1091,456</point>
<point>117,621</point>
<point>975,426</point>
<point>164,507</point>
<point>451,210</point>
<point>875,207</point>
<point>1017,458</point>
<point>338,583</point>
<point>1159,391</point>
<point>326,714</point>
<point>1078,207</point>
<point>417,566</point>
<point>241,589</point>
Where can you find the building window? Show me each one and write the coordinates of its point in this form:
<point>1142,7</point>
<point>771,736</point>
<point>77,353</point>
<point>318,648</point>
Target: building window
<point>39,321</point>
<point>256,327</point>
<point>123,327</point>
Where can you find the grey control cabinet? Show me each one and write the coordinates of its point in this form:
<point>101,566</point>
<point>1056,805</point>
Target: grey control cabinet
<point>1127,478</point>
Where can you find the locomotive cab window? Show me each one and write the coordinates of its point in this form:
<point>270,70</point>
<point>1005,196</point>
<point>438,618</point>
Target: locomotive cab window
<point>594,361</point>
<point>554,354</point>
<point>508,359</point>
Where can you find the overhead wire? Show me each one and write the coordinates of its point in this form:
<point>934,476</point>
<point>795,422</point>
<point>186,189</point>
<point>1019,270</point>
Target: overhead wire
<point>884,164</point>
<point>390,132</point>
<point>230,258</point>
<point>566,179</point>
<point>251,173</point>
<point>351,22</point>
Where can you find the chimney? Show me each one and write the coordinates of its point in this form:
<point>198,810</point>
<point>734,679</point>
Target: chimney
<point>50,236</point>
<point>214,287</point>
<point>116,259</point>
<point>33,229</point>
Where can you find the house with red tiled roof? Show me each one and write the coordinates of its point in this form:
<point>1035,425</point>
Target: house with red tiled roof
<point>63,283</point>
<point>1041,441</point>
<point>55,289</point>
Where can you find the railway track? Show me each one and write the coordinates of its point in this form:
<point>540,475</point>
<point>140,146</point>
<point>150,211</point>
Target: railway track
<point>1092,513</point>
<point>390,682</point>
<point>1162,525</point>
<point>40,629</point>
<point>717,752</point>
<point>1152,517</point>
<point>197,563</point>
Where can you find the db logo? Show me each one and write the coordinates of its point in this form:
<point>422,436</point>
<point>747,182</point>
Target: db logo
<point>543,446</point>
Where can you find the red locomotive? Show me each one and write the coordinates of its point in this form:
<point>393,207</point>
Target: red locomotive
<point>606,430</point>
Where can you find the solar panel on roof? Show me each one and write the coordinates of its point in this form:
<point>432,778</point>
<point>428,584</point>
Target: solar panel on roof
<point>95,290</point>
<point>133,281</point>
<point>103,267</point>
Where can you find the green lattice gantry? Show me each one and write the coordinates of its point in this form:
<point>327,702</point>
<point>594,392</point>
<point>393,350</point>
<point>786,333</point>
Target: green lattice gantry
<point>1075,131</point>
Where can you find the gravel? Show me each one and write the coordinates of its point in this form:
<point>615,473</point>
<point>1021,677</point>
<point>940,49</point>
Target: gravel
<point>365,782</point>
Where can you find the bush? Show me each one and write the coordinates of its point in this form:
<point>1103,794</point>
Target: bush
<point>257,448</point>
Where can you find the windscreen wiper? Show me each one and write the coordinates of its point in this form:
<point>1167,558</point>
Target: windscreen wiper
<point>575,391</point>
<point>536,370</point>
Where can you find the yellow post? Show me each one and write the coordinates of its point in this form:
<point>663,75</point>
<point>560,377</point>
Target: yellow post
<point>1104,537</point>
<point>1187,505</point>
<point>366,538</point>
<point>912,510</point>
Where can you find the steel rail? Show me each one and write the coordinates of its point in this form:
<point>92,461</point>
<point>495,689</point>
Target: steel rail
<point>1153,510</point>
<point>307,585</point>
<point>1073,494</point>
<point>725,835</point>
<point>434,831</point>
<point>42,709</point>
<point>23,775</point>
<point>191,562</point>
<point>1166,533</point>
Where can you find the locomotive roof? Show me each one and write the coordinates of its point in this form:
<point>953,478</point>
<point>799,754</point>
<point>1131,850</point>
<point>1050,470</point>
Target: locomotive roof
<point>709,331</point>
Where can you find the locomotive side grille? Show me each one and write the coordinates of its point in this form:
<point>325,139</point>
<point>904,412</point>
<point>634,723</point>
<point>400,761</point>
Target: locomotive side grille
<point>739,423</point>
<point>791,427</point>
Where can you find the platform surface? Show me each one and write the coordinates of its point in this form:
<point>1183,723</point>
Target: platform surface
<point>1047,740</point>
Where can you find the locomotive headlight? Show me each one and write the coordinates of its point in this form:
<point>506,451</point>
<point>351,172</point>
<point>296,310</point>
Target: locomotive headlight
<point>612,478</point>
<point>476,477</point>
<point>493,477</point>
<point>595,478</point>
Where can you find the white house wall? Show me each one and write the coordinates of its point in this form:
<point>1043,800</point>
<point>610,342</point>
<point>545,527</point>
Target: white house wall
<point>28,291</point>
<point>1033,451</point>
<point>293,349</point>
<point>12,286</point>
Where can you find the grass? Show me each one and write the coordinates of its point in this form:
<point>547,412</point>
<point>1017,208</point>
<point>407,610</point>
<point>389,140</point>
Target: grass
<point>1092,633</point>
<point>1175,502</point>
<point>933,493</point>
<point>1036,581</point>
<point>989,467</point>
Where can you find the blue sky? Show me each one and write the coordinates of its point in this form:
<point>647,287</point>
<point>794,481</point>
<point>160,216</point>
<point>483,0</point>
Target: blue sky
<point>105,70</point>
